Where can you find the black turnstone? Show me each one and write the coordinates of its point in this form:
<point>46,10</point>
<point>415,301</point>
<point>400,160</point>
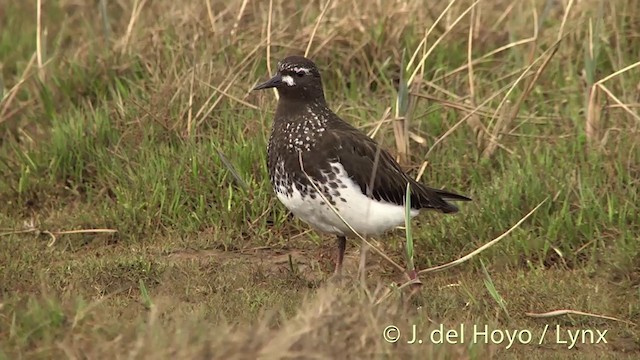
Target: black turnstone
<point>359,179</point>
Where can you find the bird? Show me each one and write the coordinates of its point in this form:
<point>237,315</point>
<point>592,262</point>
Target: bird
<point>316,159</point>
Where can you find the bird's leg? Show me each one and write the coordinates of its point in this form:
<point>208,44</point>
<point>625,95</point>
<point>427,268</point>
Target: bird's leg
<point>342,246</point>
<point>413,275</point>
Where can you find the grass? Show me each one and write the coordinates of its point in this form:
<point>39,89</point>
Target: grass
<point>139,223</point>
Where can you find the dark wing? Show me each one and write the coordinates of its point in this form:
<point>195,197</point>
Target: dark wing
<point>379,175</point>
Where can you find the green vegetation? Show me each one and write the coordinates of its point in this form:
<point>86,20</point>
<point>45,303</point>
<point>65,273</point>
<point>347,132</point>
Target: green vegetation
<point>137,221</point>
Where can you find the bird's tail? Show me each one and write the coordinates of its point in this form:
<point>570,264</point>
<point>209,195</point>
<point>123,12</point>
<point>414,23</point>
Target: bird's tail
<point>437,199</point>
<point>445,196</point>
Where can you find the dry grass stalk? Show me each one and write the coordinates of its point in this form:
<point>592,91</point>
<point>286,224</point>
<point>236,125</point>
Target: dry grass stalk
<point>378,124</point>
<point>212,19</point>
<point>315,27</point>
<point>232,76</point>
<point>576,312</point>
<point>489,55</point>
<point>463,107</point>
<point>401,123</point>
<point>595,107</point>
<point>269,22</point>
<point>234,28</point>
<point>39,39</point>
<point>508,116</point>
<point>7,100</point>
<point>53,235</point>
<point>135,14</point>
<point>473,120</point>
<point>400,134</point>
<point>483,247</point>
<point>190,111</point>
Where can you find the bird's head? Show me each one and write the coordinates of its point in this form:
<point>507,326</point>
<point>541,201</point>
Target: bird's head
<point>297,78</point>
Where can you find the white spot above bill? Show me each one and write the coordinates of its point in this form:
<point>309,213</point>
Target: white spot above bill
<point>287,79</point>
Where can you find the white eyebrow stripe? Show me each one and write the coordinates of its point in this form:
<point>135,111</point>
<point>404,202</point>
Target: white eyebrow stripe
<point>287,79</point>
<point>303,69</point>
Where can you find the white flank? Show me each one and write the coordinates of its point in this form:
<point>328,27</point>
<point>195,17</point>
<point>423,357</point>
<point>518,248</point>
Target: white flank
<point>365,215</point>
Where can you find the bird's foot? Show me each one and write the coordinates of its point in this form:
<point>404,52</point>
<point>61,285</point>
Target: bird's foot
<point>413,276</point>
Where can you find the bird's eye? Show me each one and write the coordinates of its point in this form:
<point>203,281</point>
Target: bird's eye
<point>300,74</point>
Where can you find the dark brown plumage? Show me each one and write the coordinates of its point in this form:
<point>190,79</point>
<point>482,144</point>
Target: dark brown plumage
<point>358,178</point>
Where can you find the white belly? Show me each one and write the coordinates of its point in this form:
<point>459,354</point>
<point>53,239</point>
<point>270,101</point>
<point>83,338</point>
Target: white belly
<point>365,215</point>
